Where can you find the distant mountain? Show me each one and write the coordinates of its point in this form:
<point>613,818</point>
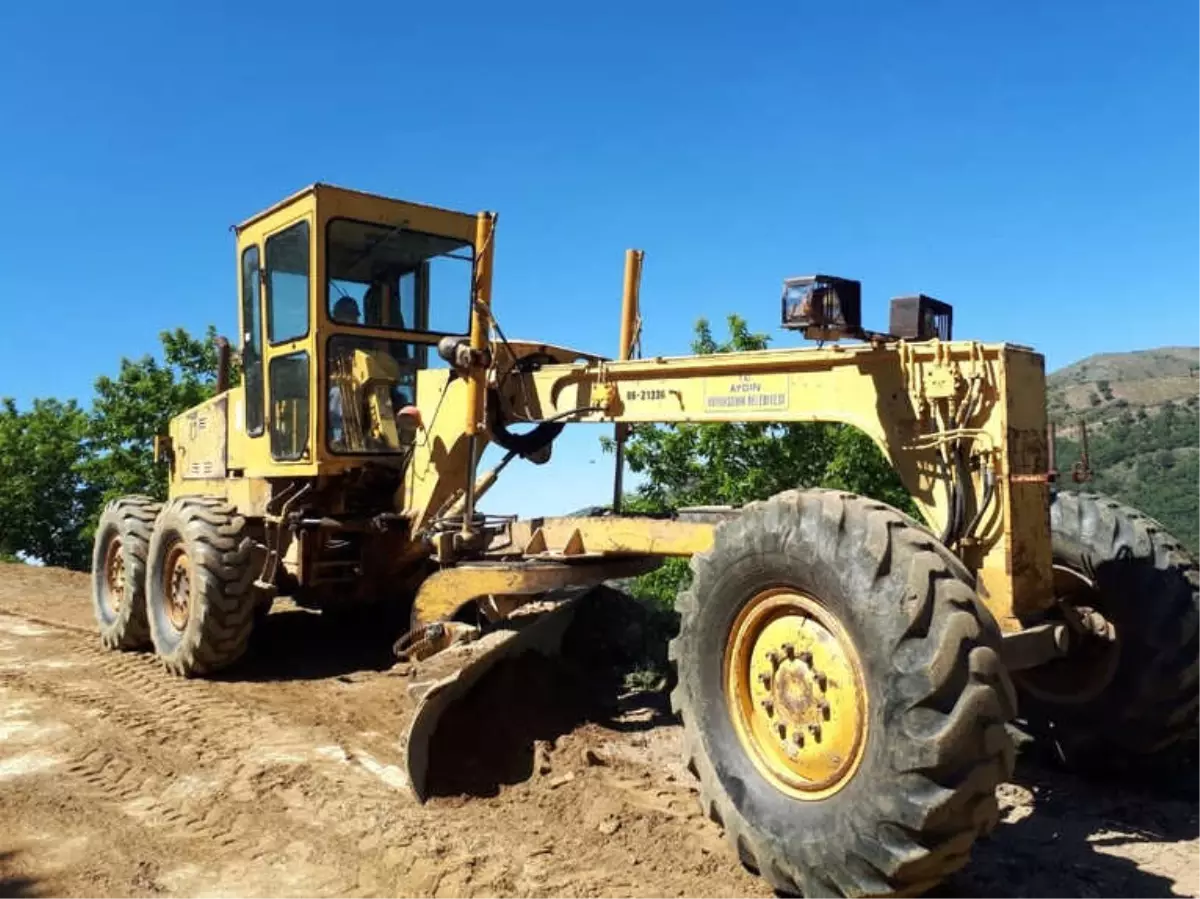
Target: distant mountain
<point>1143,431</point>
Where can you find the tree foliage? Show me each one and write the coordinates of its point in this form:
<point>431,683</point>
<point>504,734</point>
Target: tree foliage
<point>129,410</point>
<point>733,464</point>
<point>59,464</point>
<point>1149,462</point>
<point>44,500</point>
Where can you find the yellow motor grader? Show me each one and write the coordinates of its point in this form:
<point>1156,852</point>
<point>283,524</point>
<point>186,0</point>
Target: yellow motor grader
<point>843,673</point>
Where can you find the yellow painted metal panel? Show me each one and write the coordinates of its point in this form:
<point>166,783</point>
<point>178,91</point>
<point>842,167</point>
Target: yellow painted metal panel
<point>202,452</point>
<point>249,495</point>
<point>923,404</point>
<point>611,536</point>
<point>911,399</point>
<point>340,202</point>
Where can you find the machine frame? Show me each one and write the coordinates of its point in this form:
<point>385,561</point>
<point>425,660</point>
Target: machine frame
<point>984,402</point>
<point>852,677</point>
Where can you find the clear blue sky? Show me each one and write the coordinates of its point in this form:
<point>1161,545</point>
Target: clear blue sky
<point>1033,163</point>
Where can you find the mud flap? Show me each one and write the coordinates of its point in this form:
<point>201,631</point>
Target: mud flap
<point>442,679</point>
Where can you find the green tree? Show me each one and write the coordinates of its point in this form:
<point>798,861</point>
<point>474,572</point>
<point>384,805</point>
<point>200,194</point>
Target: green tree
<point>60,464</point>
<point>732,464</point>
<point>44,500</point>
<point>130,409</point>
<point>1148,461</point>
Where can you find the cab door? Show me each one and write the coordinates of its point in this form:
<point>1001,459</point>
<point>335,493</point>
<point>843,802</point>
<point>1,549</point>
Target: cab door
<point>287,291</point>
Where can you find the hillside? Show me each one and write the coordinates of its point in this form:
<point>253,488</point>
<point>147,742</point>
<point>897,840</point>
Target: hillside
<point>1143,430</point>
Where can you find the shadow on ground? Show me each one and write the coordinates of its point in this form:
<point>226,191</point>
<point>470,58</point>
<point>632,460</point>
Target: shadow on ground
<point>298,644</point>
<point>489,738</point>
<point>1063,835</point>
<point>13,885</point>
<point>1066,842</point>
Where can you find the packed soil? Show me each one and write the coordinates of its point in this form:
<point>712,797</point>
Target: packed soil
<point>285,777</point>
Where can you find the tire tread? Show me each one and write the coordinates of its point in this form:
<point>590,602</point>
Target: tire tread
<point>133,516</point>
<point>948,659</point>
<point>1160,698</point>
<point>222,556</point>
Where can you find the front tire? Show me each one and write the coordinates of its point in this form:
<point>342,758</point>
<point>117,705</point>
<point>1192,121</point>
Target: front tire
<point>861,637</point>
<point>1115,702</point>
<point>119,572</point>
<point>200,585</point>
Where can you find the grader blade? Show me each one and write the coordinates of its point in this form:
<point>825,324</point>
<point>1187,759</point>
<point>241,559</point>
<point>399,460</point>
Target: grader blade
<point>442,679</point>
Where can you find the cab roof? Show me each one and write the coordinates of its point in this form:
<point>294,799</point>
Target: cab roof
<point>320,187</point>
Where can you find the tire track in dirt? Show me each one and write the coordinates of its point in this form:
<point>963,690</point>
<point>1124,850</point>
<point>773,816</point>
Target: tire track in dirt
<point>257,788</point>
<point>134,728</point>
<point>117,779</point>
<point>187,763</point>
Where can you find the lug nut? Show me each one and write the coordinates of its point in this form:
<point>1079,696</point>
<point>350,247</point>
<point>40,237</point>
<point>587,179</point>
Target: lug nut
<point>782,729</point>
<point>822,681</point>
<point>773,658</point>
<point>789,650</point>
<point>815,730</point>
<point>806,657</point>
<point>825,710</point>
<point>765,680</point>
<point>798,738</point>
<point>768,706</point>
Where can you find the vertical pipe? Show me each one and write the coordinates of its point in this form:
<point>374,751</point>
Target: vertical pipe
<point>481,300</point>
<point>222,364</point>
<point>1051,454</point>
<point>630,297</point>
<point>629,302</point>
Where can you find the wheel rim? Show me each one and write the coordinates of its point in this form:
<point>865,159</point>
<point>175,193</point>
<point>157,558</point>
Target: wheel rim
<point>796,694</point>
<point>114,576</point>
<point>1091,663</point>
<point>177,586</point>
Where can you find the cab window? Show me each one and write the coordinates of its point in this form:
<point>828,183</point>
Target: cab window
<point>287,283</point>
<point>289,406</point>
<point>390,277</point>
<point>252,371</point>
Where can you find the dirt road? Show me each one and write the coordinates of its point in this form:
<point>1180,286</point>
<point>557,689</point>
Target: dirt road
<point>284,779</point>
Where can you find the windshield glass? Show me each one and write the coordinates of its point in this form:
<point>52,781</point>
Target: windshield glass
<point>385,277</point>
<point>369,381</point>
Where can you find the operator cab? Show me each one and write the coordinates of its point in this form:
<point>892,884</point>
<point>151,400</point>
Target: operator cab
<point>344,297</point>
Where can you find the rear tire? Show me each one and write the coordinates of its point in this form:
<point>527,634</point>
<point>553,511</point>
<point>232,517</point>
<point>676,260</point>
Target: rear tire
<point>200,585</point>
<point>119,572</point>
<point>1109,706</point>
<point>933,702</point>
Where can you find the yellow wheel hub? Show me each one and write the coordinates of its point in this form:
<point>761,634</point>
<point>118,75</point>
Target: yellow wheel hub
<point>796,694</point>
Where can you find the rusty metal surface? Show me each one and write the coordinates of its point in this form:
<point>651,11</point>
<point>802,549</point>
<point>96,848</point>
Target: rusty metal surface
<point>1034,646</point>
<point>1051,452</point>
<point>1016,573</point>
<point>446,591</point>
<point>113,593</point>
<point>920,317</point>
<point>1081,472</point>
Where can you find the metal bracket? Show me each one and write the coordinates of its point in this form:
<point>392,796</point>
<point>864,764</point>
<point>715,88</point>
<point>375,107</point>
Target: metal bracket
<point>1034,646</point>
<point>1081,472</point>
